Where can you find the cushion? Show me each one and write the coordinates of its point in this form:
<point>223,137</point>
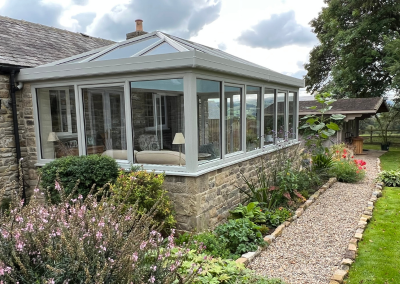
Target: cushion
<point>116,154</point>
<point>160,158</point>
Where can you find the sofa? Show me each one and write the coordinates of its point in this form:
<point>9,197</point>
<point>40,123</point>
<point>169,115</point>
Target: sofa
<point>148,157</point>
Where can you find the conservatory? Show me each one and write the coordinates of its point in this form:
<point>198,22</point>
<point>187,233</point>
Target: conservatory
<point>168,104</point>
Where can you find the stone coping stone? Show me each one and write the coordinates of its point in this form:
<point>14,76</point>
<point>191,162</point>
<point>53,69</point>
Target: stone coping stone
<point>248,257</point>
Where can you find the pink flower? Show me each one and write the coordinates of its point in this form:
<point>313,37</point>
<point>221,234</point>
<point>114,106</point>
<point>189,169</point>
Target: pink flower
<point>99,235</point>
<point>135,256</point>
<point>152,279</point>
<point>57,186</point>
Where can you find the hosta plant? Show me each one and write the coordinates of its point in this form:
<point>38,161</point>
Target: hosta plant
<point>96,240</point>
<point>250,211</point>
<point>390,178</point>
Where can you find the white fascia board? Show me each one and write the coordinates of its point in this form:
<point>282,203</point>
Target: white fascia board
<point>116,66</point>
<point>340,112</point>
<point>208,61</point>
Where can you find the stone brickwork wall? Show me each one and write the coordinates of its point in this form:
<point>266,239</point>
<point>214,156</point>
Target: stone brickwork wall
<point>203,202</point>
<point>8,161</point>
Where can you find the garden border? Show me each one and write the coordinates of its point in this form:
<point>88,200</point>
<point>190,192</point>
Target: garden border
<point>247,258</point>
<point>350,256</point>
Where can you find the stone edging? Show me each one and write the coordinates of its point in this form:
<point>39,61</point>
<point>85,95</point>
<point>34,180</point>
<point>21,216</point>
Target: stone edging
<point>249,257</point>
<point>339,275</point>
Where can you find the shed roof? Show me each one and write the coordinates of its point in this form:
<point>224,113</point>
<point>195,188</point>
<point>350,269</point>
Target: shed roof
<point>343,106</point>
<point>28,44</point>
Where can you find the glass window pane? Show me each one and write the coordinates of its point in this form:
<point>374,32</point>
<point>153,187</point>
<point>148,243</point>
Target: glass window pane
<point>292,115</point>
<point>269,115</point>
<point>233,117</point>
<point>104,113</point>
<point>158,122</point>
<point>253,117</point>
<point>161,49</point>
<point>127,50</point>
<point>281,115</point>
<point>209,120</point>
<point>57,122</point>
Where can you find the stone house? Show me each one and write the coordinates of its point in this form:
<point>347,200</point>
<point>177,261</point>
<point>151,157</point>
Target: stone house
<point>196,113</point>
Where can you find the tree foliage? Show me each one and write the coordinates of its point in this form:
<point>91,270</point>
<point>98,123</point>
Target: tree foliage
<point>352,59</point>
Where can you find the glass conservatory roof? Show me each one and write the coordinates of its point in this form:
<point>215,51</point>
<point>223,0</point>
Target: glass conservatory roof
<point>149,44</point>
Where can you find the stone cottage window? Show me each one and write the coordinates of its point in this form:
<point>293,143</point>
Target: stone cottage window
<point>57,122</point>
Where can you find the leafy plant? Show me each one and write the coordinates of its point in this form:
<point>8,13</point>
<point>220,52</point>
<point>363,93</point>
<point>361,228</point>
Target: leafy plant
<point>277,216</point>
<point>390,178</point>
<point>88,170</point>
<point>85,241</point>
<point>209,242</point>
<point>241,236</point>
<point>222,271</point>
<point>322,162</point>
<point>251,212</point>
<point>146,189</point>
<point>319,124</point>
<point>349,171</point>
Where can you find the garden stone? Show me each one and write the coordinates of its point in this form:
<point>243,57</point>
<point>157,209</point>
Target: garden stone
<point>278,231</point>
<point>344,267</point>
<point>354,241</point>
<point>269,239</point>
<point>333,282</point>
<point>370,204</point>
<point>362,219</point>
<point>242,260</point>
<point>358,236</point>
<point>308,203</point>
<point>367,213</point>
<point>366,216</point>
<point>347,262</point>
<point>352,247</point>
<point>287,223</point>
<point>360,231</point>
<point>350,254</point>
<point>339,275</point>
<point>362,223</point>
<point>249,255</point>
<point>299,212</point>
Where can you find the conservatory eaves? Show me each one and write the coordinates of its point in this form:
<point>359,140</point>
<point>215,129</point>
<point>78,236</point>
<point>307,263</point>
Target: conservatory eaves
<point>152,52</point>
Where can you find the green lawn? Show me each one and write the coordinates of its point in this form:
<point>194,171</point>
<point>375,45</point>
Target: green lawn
<point>378,259</point>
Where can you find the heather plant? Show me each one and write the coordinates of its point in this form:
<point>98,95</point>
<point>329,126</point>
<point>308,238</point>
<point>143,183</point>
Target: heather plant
<point>92,240</point>
<point>144,188</point>
<point>88,170</point>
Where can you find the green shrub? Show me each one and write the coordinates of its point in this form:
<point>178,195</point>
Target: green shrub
<point>146,188</point>
<point>217,270</point>
<point>348,171</point>
<point>241,236</point>
<point>308,181</point>
<point>208,241</point>
<point>322,162</point>
<point>89,170</point>
<point>390,178</point>
<point>251,212</point>
<point>276,217</point>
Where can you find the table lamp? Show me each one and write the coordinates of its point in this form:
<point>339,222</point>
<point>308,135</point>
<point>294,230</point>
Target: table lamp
<point>179,140</point>
<point>53,138</point>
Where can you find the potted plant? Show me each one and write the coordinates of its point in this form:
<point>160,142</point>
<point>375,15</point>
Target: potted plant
<point>268,135</point>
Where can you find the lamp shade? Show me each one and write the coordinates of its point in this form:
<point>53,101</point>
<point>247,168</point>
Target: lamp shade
<point>179,139</point>
<point>52,137</point>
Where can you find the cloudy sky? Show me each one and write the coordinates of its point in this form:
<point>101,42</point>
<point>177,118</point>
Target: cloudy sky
<point>272,33</point>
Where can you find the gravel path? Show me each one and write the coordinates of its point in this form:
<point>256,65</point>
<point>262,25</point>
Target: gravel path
<point>312,247</point>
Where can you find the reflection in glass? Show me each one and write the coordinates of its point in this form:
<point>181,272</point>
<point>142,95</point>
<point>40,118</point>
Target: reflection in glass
<point>157,117</point>
<point>292,115</point>
<point>161,49</point>
<point>57,122</point>
<point>233,114</point>
<point>209,119</point>
<point>104,113</point>
<point>127,50</point>
<point>281,115</point>
<point>253,117</point>
<point>269,114</point>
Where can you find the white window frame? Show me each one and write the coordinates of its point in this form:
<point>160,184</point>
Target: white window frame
<point>193,168</point>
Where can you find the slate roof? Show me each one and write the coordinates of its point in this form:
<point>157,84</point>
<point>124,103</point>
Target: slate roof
<point>28,44</point>
<point>357,105</point>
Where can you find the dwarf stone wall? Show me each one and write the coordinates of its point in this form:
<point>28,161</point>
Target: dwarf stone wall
<point>203,202</point>
<point>8,156</point>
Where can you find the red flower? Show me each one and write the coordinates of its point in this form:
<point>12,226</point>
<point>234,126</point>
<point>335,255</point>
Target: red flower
<point>344,156</point>
<point>352,157</point>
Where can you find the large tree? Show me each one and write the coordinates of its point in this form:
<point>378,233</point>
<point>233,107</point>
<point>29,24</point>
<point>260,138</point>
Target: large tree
<point>351,59</point>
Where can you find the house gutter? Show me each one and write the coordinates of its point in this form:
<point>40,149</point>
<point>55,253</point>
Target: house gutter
<point>13,71</point>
